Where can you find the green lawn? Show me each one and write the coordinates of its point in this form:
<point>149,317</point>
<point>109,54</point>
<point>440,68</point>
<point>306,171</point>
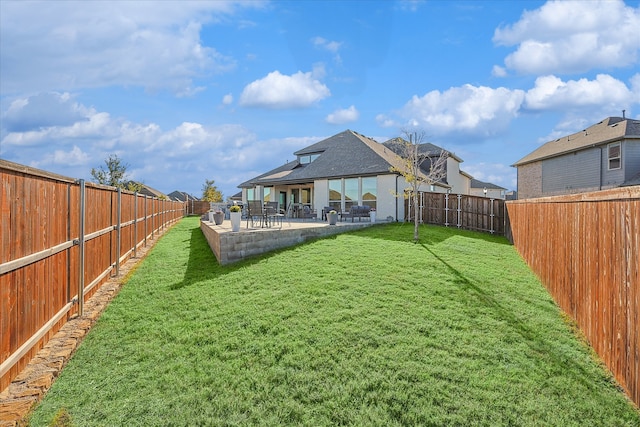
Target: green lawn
<point>364,329</point>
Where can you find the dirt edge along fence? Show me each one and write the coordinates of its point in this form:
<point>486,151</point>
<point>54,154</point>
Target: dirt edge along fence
<point>60,240</point>
<point>458,210</point>
<point>585,249</point>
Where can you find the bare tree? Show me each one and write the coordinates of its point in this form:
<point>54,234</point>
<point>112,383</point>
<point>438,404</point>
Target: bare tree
<point>421,165</point>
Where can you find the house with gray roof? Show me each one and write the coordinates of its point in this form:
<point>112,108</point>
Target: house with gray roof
<point>181,196</point>
<point>602,156</point>
<point>487,189</point>
<point>344,170</point>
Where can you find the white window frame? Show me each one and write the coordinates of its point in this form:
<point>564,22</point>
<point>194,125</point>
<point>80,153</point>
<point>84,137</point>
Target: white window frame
<point>618,157</point>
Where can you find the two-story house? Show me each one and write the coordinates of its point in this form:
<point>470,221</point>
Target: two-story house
<point>602,156</point>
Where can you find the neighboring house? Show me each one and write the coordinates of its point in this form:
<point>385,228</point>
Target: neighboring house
<point>487,189</point>
<point>181,196</point>
<point>604,155</point>
<point>344,170</point>
<point>146,190</point>
<point>236,198</point>
<point>511,195</point>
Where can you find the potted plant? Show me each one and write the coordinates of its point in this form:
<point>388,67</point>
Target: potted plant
<point>332,217</point>
<point>236,217</point>
<point>218,217</point>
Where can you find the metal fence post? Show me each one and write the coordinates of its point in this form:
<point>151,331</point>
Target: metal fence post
<point>118,229</point>
<point>446,210</point>
<point>81,250</point>
<point>491,216</point>
<point>146,219</point>
<point>135,224</point>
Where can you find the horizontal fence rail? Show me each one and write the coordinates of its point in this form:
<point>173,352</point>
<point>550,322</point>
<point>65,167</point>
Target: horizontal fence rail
<point>458,210</point>
<point>61,239</point>
<point>585,249</point>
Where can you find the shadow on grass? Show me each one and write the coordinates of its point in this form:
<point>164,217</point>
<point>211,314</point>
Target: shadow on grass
<point>429,234</point>
<point>202,264</point>
<point>532,338</point>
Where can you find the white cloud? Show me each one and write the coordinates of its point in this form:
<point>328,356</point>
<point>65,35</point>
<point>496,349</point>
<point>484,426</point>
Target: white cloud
<point>345,115</point>
<point>386,122</point>
<point>278,91</point>
<point>227,99</point>
<point>71,45</point>
<point>498,71</point>
<point>551,93</point>
<point>468,109</point>
<point>42,110</point>
<point>331,46</point>
<point>75,157</point>
<point>572,37</point>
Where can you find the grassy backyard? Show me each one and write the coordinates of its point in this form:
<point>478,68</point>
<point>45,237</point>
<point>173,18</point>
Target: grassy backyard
<point>365,328</point>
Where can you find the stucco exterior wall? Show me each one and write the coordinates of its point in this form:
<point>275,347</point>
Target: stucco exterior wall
<point>387,197</point>
<point>320,195</point>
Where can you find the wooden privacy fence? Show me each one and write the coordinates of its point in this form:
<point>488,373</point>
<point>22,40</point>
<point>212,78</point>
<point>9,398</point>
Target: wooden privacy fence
<point>585,249</point>
<point>458,210</point>
<point>60,241</point>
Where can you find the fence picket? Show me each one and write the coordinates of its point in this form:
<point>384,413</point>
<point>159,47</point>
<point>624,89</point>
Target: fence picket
<point>585,250</point>
<point>40,213</point>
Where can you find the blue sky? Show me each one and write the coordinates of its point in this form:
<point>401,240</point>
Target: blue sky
<point>188,91</point>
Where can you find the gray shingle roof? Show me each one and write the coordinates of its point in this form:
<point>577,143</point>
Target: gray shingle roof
<point>608,130</point>
<point>476,183</point>
<point>345,154</point>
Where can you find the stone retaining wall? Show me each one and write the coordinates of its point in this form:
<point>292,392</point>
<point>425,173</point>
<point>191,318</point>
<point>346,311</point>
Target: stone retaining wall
<point>230,247</point>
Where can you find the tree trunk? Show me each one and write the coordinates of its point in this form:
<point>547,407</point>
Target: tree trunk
<point>416,235</point>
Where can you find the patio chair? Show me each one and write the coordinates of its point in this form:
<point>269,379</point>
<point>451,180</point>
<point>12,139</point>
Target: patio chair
<point>307,212</point>
<point>272,213</point>
<point>255,211</point>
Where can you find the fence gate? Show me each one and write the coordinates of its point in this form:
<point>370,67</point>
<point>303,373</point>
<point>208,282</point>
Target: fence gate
<point>459,210</point>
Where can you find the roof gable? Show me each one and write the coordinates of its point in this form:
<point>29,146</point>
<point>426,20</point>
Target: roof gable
<point>345,154</point>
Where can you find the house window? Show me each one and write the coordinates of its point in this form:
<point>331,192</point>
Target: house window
<point>350,193</point>
<point>250,192</point>
<point>306,159</point>
<point>369,192</point>
<point>614,155</point>
<point>268,191</point>
<point>306,196</point>
<point>335,194</point>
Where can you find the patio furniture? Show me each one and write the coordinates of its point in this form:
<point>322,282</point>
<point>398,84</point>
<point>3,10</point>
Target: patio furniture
<point>255,211</point>
<point>273,215</point>
<point>307,212</point>
<point>356,212</point>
